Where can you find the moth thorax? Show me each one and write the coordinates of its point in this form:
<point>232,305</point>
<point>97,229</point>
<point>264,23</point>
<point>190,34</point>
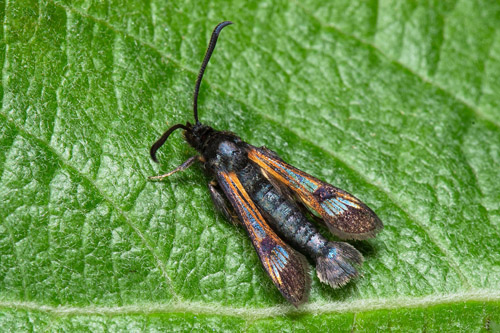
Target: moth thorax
<point>230,156</point>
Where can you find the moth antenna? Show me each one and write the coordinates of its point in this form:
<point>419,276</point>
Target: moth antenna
<point>208,54</point>
<point>164,137</point>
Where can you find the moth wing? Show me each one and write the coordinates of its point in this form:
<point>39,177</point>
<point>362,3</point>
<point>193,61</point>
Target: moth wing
<point>285,266</point>
<point>344,215</point>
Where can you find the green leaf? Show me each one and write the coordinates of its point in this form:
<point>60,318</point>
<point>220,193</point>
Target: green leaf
<point>395,102</point>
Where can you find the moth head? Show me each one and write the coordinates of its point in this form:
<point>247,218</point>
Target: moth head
<point>197,135</point>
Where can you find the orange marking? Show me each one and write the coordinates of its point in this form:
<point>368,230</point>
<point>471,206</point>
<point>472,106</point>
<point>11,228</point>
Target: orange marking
<point>348,197</point>
<point>264,162</point>
<point>235,185</point>
<point>271,266</point>
<point>245,200</point>
<point>242,201</point>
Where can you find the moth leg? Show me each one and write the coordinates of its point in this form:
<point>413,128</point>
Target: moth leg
<point>181,167</point>
<point>222,203</point>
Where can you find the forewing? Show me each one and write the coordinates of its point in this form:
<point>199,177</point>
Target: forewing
<point>285,267</point>
<point>345,215</point>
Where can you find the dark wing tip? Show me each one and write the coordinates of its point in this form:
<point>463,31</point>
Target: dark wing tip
<point>355,224</point>
<point>296,280</point>
<point>347,217</point>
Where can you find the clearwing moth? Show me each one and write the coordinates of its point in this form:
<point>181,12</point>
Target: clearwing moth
<point>271,199</point>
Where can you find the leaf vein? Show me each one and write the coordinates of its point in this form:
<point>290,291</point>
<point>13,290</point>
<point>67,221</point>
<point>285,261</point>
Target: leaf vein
<point>214,309</point>
<point>72,169</point>
<point>427,80</point>
<point>442,248</point>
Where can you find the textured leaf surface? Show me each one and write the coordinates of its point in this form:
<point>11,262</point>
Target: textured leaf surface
<point>395,102</point>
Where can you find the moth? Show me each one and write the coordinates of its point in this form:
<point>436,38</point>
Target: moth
<point>271,199</point>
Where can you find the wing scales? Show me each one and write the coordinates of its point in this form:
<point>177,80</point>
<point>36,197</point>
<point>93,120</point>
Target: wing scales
<point>285,267</point>
<point>344,215</point>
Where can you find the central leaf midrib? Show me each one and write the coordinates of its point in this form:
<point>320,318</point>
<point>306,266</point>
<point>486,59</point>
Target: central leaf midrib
<point>215,309</point>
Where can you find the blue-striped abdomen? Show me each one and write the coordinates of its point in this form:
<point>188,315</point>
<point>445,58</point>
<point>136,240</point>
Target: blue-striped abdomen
<point>286,218</point>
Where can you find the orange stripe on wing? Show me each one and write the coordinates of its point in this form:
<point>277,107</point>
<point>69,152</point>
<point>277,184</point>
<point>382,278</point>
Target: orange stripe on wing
<point>345,215</point>
<point>248,205</point>
<point>270,166</point>
<point>281,262</point>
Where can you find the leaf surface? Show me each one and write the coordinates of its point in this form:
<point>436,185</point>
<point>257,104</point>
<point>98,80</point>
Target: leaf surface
<point>397,103</point>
